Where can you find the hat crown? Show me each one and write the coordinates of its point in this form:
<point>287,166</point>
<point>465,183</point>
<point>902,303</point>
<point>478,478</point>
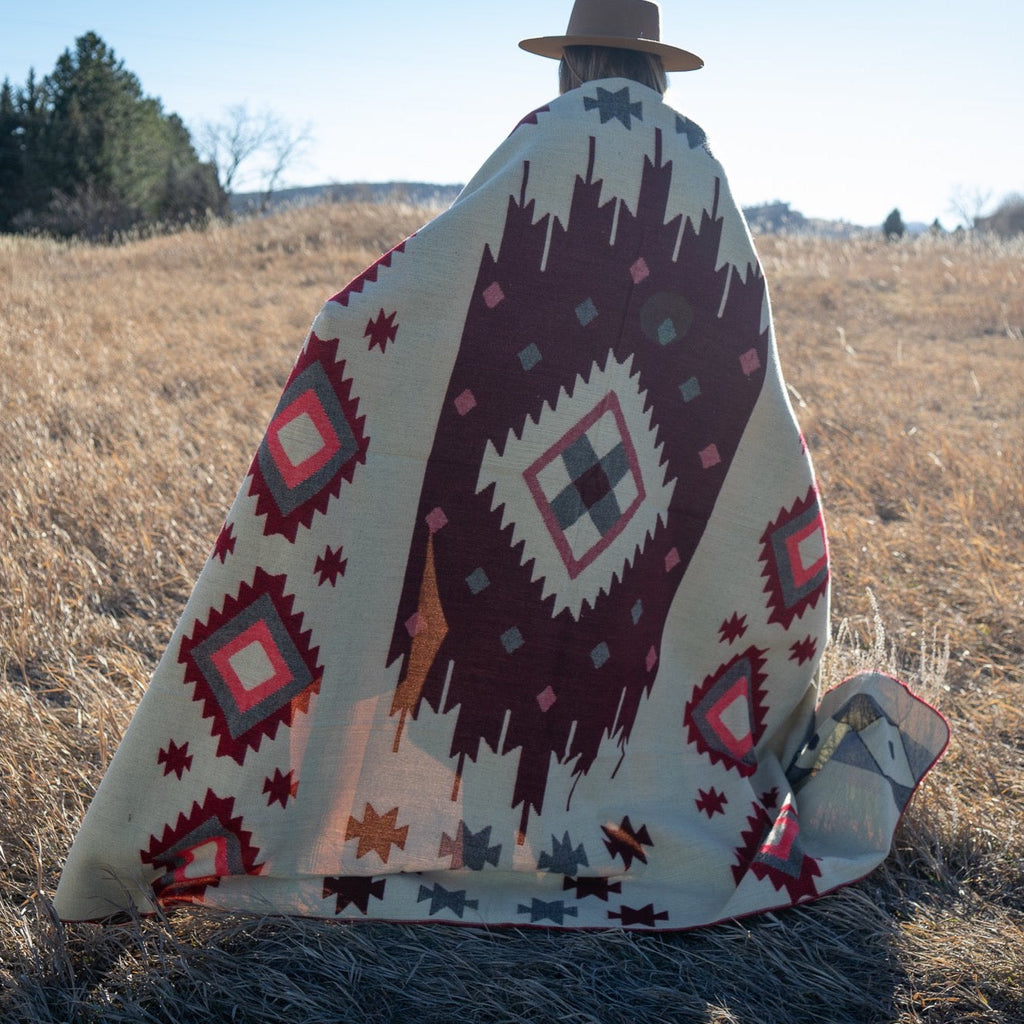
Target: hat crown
<point>629,19</point>
<point>618,24</point>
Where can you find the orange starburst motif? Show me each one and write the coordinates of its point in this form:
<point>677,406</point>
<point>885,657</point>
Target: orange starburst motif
<point>377,832</point>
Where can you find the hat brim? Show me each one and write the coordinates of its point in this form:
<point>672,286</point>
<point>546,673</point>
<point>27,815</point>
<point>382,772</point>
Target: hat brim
<point>673,58</point>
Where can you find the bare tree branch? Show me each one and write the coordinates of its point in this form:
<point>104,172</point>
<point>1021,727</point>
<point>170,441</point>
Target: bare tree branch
<point>968,202</point>
<point>247,144</point>
<point>282,149</point>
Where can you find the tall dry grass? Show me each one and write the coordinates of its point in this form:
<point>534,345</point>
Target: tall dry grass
<point>136,382</point>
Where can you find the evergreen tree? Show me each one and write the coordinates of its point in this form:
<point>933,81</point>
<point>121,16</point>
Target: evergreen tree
<point>93,155</point>
<point>11,155</point>
<point>894,228</point>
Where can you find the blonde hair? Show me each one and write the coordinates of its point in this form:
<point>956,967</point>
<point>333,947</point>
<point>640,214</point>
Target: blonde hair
<point>581,64</point>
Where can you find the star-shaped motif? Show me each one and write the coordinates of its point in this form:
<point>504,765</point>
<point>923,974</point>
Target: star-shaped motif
<point>563,859</point>
<point>599,887</point>
<point>732,628</point>
<point>712,802</point>
<point>532,117</point>
<point>330,565</point>
<point>803,650</point>
<point>695,135</point>
<point>377,832</point>
<point>469,849</point>
<point>555,911</point>
<point>225,543</point>
<point>381,330</point>
<point>446,899</point>
<point>643,916</point>
<point>356,890</point>
<point>175,759</point>
<point>626,842</point>
<point>281,788</point>
<point>614,104</point>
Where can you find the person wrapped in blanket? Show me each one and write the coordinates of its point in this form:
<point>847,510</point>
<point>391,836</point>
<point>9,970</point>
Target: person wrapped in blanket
<point>518,614</point>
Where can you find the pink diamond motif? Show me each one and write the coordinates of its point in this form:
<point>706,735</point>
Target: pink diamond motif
<point>288,439</point>
<point>577,553</point>
<point>493,295</point>
<point>436,519</point>
<point>639,270</point>
<point>251,666</point>
<point>750,361</point>
<point>546,698</point>
<point>652,659</point>
<point>672,559</point>
<point>416,623</point>
<point>709,456</point>
<point>465,402</point>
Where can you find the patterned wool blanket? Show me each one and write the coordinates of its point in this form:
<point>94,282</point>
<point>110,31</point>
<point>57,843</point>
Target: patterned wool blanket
<point>517,615</point>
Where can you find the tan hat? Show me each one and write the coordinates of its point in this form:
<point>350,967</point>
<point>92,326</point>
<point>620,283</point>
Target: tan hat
<point>624,24</point>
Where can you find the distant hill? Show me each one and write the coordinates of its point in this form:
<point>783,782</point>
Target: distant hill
<point>772,218</point>
<point>778,218</point>
<point>416,192</point>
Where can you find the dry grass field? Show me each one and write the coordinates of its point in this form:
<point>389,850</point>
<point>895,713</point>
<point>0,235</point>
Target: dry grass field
<point>136,381</point>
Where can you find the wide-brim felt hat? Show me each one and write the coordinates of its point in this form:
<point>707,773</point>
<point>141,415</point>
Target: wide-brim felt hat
<point>623,24</point>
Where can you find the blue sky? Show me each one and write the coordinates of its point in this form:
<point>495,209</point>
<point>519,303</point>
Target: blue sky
<point>845,110</point>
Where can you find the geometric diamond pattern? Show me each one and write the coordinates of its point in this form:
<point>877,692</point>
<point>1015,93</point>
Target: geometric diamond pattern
<point>477,580</point>
<point>251,665</point>
<point>795,552</point>
<point>587,485</point>
<point>588,503</point>
<point>690,389</point>
<point>772,850</point>
<point>725,716</point>
<point>303,439</point>
<point>529,357</point>
<point>314,442</point>
<point>201,848</point>
<point>586,312</point>
<point>666,317</point>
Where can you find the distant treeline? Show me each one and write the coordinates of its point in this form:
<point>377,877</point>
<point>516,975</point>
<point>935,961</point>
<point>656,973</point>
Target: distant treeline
<point>84,152</point>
